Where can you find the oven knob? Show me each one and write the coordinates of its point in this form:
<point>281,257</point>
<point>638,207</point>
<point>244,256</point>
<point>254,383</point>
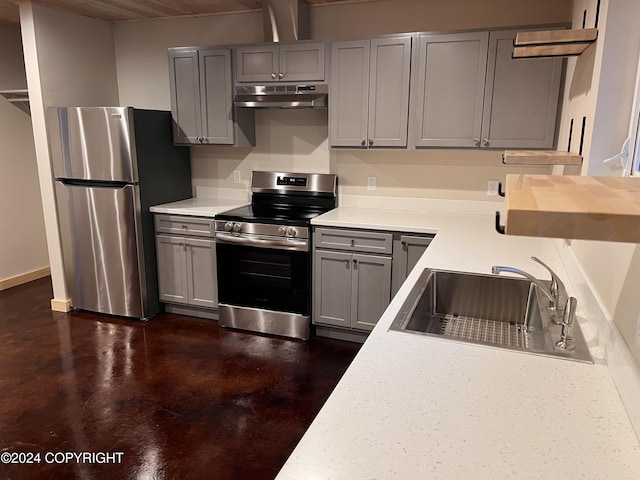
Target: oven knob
<point>292,232</point>
<point>237,227</point>
<point>228,226</point>
<point>282,230</point>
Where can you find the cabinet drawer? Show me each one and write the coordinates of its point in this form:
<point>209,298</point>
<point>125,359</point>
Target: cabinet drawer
<point>195,226</point>
<point>354,240</point>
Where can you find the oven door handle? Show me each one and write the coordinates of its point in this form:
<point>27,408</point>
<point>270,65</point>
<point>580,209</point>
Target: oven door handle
<point>276,243</point>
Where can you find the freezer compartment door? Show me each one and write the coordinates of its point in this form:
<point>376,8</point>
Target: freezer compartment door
<point>101,249</point>
<point>93,143</point>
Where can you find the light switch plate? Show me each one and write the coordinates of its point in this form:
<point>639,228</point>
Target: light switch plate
<point>236,176</point>
<point>371,183</point>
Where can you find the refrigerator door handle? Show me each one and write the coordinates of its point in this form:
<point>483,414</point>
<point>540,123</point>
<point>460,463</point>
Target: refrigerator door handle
<point>70,182</point>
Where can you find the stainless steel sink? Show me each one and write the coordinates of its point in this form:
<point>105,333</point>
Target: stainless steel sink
<point>501,311</point>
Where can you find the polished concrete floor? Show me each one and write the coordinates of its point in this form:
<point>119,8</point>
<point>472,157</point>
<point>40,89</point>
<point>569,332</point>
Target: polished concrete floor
<point>174,398</point>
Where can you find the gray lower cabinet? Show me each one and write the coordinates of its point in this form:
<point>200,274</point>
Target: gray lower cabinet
<point>407,250</point>
<point>357,272</point>
<point>369,92</point>
<point>186,261</point>
<point>351,290</point>
<point>201,88</point>
<point>467,91</point>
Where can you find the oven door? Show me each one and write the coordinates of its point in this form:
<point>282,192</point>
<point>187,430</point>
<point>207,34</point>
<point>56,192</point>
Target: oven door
<point>264,273</point>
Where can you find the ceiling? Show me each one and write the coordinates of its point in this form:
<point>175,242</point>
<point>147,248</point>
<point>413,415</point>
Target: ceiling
<point>124,10</point>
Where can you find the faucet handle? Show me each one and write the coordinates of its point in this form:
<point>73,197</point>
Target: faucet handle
<point>557,287</point>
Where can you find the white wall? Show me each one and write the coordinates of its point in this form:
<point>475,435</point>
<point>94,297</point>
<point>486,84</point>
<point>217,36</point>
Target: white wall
<point>600,86</point>
<point>23,246</point>
<point>285,137</point>
<point>69,61</point>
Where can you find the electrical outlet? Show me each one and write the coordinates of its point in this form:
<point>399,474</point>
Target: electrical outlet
<point>492,188</point>
<point>236,176</point>
<point>371,183</point>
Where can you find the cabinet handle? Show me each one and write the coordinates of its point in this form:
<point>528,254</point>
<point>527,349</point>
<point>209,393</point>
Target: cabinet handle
<point>363,143</point>
<point>280,75</point>
<point>370,142</point>
<point>355,263</point>
<point>273,75</point>
<point>353,242</point>
<point>476,140</point>
<point>184,227</point>
<point>404,244</point>
<point>485,142</point>
<point>346,262</point>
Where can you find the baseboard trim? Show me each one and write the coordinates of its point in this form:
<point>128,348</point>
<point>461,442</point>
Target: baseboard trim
<point>24,278</point>
<point>60,305</point>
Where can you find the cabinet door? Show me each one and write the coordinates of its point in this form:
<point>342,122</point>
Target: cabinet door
<point>302,62</point>
<point>349,95</point>
<point>172,271</point>
<point>449,79</point>
<point>216,96</point>
<point>258,63</point>
<point>521,97</point>
<point>201,272</point>
<point>332,288</point>
<point>370,289</point>
<point>389,92</point>
<point>407,250</point>
<point>184,83</point>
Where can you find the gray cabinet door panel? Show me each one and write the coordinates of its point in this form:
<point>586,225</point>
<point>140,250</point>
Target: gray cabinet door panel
<point>407,250</point>
<point>172,271</point>
<point>389,92</point>
<point>521,97</point>
<point>349,95</point>
<point>371,289</point>
<point>258,63</point>
<point>332,288</point>
<point>303,62</point>
<point>449,75</point>
<point>216,98</point>
<point>185,96</point>
<point>201,272</point>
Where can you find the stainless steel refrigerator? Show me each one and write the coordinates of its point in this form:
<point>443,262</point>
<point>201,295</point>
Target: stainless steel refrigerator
<point>110,165</point>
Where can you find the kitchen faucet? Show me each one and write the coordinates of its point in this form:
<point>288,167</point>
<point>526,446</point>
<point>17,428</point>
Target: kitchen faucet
<point>556,292</point>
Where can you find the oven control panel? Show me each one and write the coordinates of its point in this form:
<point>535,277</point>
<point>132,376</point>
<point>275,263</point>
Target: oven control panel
<point>292,181</point>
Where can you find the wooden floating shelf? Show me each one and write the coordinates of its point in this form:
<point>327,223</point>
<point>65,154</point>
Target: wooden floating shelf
<point>553,43</point>
<point>573,207</point>
<point>540,157</point>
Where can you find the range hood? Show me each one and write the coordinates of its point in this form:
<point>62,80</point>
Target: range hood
<point>281,96</point>
<point>285,20</point>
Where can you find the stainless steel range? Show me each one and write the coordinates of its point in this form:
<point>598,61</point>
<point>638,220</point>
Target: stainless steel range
<point>264,253</point>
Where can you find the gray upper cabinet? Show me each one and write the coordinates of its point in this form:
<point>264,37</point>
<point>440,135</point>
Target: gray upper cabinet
<point>449,79</point>
<point>369,92</point>
<point>299,62</point>
<point>467,91</point>
<point>202,99</point>
<point>521,97</point>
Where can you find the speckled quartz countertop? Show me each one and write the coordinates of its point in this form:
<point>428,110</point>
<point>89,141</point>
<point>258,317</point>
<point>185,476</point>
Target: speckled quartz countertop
<point>414,407</point>
<point>197,207</point>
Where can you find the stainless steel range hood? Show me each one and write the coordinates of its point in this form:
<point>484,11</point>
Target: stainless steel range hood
<point>281,96</point>
<point>285,20</point>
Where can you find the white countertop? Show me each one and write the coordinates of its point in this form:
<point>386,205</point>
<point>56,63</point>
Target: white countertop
<point>197,207</point>
<point>415,407</point>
